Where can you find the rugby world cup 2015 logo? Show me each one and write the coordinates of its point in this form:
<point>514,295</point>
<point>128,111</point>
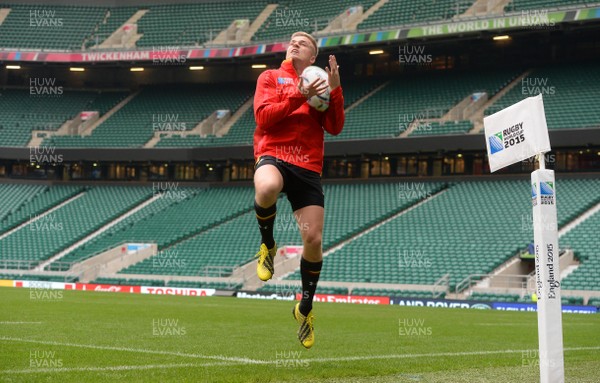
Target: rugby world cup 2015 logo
<point>547,193</point>
<point>496,142</point>
<point>534,194</point>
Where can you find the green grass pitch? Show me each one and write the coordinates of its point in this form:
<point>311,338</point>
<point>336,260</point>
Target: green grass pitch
<point>113,337</point>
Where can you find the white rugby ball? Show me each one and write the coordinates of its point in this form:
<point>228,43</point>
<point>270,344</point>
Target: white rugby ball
<point>321,101</point>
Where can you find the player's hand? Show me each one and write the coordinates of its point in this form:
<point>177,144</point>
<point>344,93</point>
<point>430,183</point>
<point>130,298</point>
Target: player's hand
<point>318,86</point>
<point>333,72</point>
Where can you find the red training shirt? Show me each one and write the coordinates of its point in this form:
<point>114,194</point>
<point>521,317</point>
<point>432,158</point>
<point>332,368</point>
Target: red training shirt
<point>287,127</point>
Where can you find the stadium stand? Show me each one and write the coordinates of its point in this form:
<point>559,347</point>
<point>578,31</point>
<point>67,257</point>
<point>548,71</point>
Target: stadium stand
<point>36,109</point>
<point>351,208</point>
<point>570,95</point>
<point>413,248</point>
<point>181,25</point>
<point>75,27</point>
<point>192,24</point>
<point>48,27</point>
<point>114,18</point>
<point>19,206</point>
<point>14,195</point>
<point>310,16</point>
<point>583,239</point>
<point>401,12</point>
<point>169,219</point>
<point>389,112</point>
<point>242,132</point>
<point>156,109</point>
<point>48,235</point>
<point>231,252</point>
<point>430,98</point>
<point>520,5</point>
<point>174,224</point>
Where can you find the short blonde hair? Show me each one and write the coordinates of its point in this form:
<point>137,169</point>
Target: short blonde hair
<point>312,40</point>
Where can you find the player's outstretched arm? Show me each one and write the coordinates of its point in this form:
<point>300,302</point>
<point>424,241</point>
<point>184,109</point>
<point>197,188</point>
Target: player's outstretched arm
<point>333,72</point>
<point>334,116</point>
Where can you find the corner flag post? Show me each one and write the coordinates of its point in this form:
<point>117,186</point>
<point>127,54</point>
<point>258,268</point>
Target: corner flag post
<point>547,272</point>
<point>512,135</point>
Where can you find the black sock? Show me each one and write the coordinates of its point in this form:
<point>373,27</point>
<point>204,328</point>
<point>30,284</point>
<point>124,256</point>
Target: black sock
<point>266,219</point>
<point>310,272</point>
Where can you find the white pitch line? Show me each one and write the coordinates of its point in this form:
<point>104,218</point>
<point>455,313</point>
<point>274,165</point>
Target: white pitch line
<point>435,355</point>
<point>112,368</point>
<point>8,322</point>
<point>316,360</point>
<point>138,350</point>
<point>504,324</point>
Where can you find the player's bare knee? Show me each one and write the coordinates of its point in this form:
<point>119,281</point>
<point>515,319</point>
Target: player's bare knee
<point>313,239</point>
<point>267,192</point>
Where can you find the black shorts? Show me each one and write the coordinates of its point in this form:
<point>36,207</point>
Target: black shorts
<point>302,186</point>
